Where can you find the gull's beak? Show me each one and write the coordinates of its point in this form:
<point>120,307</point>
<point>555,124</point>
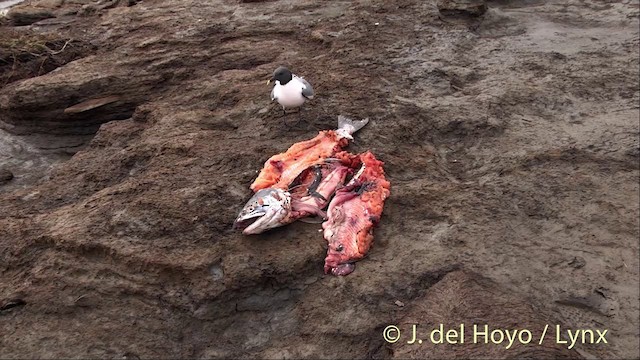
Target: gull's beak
<point>268,81</point>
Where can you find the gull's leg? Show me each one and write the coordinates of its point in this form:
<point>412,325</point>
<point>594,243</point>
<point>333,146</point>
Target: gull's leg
<point>284,118</point>
<point>299,116</point>
<point>284,113</point>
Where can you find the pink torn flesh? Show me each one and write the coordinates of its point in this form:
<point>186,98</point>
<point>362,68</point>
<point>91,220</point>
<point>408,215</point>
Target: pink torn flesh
<point>348,219</point>
<point>312,205</point>
<point>342,196</point>
<point>302,209</point>
<point>343,269</point>
<point>330,183</point>
<point>333,266</point>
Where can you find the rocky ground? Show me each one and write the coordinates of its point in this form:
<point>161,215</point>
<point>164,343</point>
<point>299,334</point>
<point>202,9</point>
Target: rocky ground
<point>131,131</point>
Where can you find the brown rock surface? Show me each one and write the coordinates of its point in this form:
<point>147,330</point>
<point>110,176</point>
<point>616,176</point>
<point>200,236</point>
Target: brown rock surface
<point>5,176</point>
<point>27,15</point>
<point>468,316</point>
<point>462,7</point>
<point>511,146</point>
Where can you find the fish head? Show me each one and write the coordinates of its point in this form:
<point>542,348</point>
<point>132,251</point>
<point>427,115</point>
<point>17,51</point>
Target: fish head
<point>267,209</point>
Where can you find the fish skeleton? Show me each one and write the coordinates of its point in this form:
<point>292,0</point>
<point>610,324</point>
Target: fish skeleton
<point>281,170</point>
<point>311,175</point>
<point>316,186</point>
<point>273,205</point>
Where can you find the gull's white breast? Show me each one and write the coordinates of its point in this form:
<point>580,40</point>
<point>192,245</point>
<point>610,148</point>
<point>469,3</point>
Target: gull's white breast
<point>290,94</point>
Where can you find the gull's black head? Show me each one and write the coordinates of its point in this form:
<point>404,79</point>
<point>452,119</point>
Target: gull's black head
<point>282,74</point>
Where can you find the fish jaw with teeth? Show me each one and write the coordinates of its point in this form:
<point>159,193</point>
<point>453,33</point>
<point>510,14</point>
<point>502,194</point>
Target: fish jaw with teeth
<point>267,209</point>
<point>352,214</point>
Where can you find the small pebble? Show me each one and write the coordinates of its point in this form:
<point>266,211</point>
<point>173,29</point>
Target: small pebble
<point>5,176</point>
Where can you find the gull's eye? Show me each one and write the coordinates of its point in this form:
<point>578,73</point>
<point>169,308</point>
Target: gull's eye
<point>340,247</point>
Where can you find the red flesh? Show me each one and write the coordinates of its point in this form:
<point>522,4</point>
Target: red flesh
<point>282,169</point>
<point>353,213</point>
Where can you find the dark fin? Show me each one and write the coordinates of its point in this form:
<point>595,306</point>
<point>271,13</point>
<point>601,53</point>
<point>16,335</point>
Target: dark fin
<point>366,186</point>
<point>316,182</point>
<point>318,195</point>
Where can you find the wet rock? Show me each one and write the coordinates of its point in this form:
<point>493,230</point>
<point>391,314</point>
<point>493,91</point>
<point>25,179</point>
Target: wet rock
<point>28,52</point>
<point>264,300</point>
<point>481,302</point>
<point>318,35</point>
<point>12,303</point>
<point>74,101</point>
<point>577,262</point>
<point>105,4</point>
<point>5,176</point>
<point>50,4</point>
<point>134,230</point>
<point>633,152</point>
<point>91,104</point>
<point>473,8</point>
<point>216,271</point>
<point>130,355</point>
<point>84,300</point>
<point>21,16</point>
<point>599,302</point>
